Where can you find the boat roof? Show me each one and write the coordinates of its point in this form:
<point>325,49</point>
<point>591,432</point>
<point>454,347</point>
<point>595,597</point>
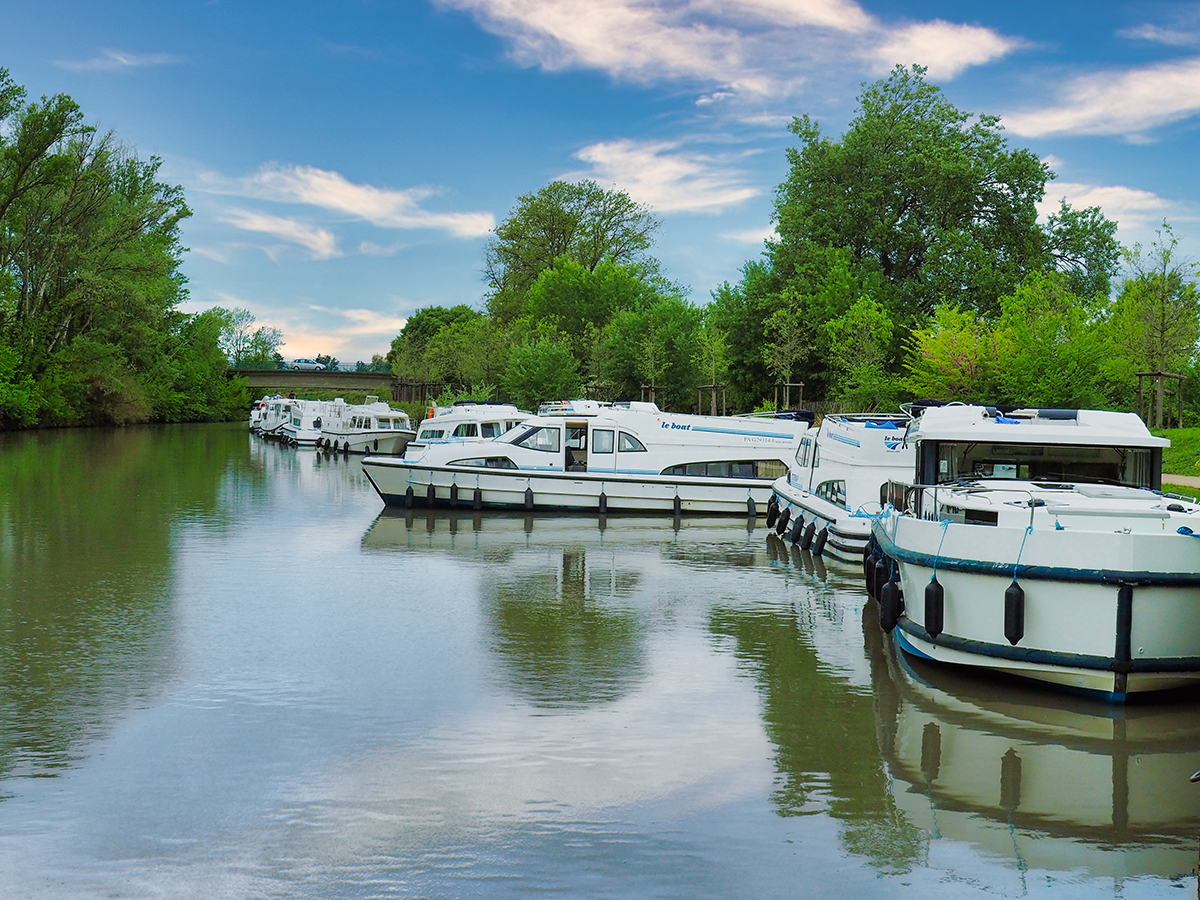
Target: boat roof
<point>472,409</point>
<point>1090,427</point>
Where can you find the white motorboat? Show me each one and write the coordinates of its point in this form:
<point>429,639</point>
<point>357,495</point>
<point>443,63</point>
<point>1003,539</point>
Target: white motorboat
<point>588,455</point>
<point>276,414</point>
<point>835,478</point>
<point>1037,543</point>
<point>468,420</point>
<point>371,427</point>
<point>257,410</point>
<point>303,425</point>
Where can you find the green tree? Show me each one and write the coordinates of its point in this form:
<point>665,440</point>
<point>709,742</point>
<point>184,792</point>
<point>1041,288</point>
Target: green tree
<point>580,301</point>
<point>1050,345</point>
<point>658,345</point>
<point>408,354</point>
<point>580,221</point>
<point>860,350</point>
<point>1156,317</point>
<point>541,370</point>
<point>89,267</point>
<point>931,198</point>
<point>954,357</point>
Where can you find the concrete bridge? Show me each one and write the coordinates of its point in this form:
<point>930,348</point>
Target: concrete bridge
<point>385,384</point>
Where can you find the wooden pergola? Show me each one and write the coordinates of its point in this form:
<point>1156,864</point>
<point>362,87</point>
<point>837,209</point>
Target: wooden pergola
<point>1158,398</point>
<point>787,394</point>
<point>712,389</point>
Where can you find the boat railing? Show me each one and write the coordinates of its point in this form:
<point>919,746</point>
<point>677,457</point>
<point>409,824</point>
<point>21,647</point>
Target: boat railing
<point>921,500</point>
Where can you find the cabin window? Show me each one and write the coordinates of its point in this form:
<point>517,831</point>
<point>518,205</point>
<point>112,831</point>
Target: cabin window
<point>770,468</point>
<point>602,441</point>
<point>432,434</point>
<point>466,429</point>
<point>543,438</point>
<point>721,469</point>
<point>489,430</point>
<point>627,443</point>
<point>487,462</point>
<point>802,452</point>
<point>1058,463</point>
<point>833,491</point>
<point>385,424</point>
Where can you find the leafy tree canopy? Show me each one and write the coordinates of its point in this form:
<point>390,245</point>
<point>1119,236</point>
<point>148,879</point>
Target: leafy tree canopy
<point>932,199</point>
<point>90,278</point>
<point>580,221</point>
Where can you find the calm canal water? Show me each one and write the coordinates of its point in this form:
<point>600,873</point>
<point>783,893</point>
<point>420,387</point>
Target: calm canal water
<point>226,672</point>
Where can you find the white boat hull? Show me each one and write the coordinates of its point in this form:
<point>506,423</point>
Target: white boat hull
<point>1104,625</point>
<point>846,535</point>
<point>390,443</point>
<point>403,483</point>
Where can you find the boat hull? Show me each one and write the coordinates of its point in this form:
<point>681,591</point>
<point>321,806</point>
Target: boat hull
<point>1105,625</point>
<point>506,489</point>
<point>388,443</point>
<point>846,535</point>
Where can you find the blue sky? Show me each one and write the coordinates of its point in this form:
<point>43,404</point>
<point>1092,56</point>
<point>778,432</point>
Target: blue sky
<point>346,160</point>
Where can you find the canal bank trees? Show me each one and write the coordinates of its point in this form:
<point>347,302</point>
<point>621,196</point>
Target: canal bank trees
<point>90,279</point>
<point>575,304</point>
<point>927,211</point>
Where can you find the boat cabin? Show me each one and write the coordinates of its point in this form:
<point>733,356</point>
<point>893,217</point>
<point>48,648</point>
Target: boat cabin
<point>970,443</point>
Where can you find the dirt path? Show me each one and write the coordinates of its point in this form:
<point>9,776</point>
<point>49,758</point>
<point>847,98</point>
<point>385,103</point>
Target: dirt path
<point>1188,480</point>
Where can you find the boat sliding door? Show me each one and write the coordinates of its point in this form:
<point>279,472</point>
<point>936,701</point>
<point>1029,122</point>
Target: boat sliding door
<point>602,457</point>
<point>577,446</point>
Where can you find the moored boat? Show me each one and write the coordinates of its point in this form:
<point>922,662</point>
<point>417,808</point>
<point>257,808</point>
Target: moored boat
<point>274,415</point>
<point>302,428</point>
<point>371,427</point>
<point>468,420</point>
<point>588,455</point>
<point>835,478</point>
<point>1037,543</point>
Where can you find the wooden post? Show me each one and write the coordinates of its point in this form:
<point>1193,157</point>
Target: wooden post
<point>1158,409</point>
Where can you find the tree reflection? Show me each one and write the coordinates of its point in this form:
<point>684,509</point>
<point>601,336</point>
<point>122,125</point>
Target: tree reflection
<point>86,518</point>
<point>827,755</point>
<point>563,641</point>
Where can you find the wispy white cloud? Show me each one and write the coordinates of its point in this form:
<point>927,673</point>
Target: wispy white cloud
<point>1129,102</point>
<point>750,235</point>
<point>944,47</point>
<point>1172,37</point>
<point>320,243</point>
<point>1133,209</point>
<point>757,48</point>
<point>117,60</point>
<point>666,177</point>
<point>384,207</point>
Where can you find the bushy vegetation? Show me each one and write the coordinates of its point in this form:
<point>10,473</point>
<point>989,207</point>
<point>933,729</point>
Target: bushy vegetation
<point>90,280</point>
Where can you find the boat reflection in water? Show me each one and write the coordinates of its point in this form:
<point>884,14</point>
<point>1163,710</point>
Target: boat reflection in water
<point>921,769</point>
<point>559,591</point>
<point>1039,781</point>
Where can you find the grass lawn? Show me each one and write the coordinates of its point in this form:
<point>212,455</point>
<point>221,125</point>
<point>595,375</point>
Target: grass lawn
<point>1183,456</point>
<point>1182,490</point>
